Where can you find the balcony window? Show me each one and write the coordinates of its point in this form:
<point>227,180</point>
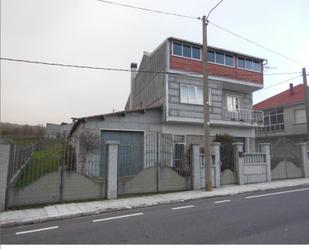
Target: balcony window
<point>256,66</point>
<point>211,56</point>
<point>186,51</point>
<point>177,49</point>
<point>241,63</point>
<point>196,53</point>
<point>232,103</point>
<point>229,60</point>
<point>221,58</point>
<point>249,64</point>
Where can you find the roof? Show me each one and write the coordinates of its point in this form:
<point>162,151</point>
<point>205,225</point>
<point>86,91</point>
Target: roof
<point>77,121</point>
<point>283,99</point>
<point>216,48</point>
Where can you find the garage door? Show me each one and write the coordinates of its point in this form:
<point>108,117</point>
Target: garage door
<point>130,159</point>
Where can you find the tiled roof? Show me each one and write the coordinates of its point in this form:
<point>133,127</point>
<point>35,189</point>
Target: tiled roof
<point>282,99</point>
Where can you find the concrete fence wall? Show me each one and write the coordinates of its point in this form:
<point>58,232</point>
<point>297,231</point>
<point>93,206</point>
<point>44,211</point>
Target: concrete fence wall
<point>198,167</point>
<point>252,167</point>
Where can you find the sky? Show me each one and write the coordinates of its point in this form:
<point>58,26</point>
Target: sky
<point>89,32</point>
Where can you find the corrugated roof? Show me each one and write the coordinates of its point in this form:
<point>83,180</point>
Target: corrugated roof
<point>283,99</point>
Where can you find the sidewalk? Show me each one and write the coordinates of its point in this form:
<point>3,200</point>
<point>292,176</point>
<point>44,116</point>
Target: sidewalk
<point>61,211</point>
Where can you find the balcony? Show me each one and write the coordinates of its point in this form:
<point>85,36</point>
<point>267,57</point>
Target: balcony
<point>243,115</point>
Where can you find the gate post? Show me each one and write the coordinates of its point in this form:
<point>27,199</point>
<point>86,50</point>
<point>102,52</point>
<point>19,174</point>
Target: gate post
<point>112,168</point>
<point>304,158</point>
<point>265,148</point>
<point>196,167</point>
<point>217,164</point>
<point>238,149</point>
<point>5,149</point>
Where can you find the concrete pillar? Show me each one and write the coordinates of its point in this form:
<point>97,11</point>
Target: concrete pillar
<point>265,148</point>
<point>217,164</point>
<point>5,148</point>
<point>238,160</point>
<point>112,167</point>
<point>196,167</point>
<point>304,157</point>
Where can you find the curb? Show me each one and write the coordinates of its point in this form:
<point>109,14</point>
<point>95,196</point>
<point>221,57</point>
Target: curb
<point>134,206</point>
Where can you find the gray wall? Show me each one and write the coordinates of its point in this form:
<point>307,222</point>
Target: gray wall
<point>46,189</point>
<point>149,88</point>
<point>218,97</point>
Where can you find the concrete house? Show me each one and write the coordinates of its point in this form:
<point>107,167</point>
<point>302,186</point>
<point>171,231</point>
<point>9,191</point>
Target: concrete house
<point>284,127</point>
<point>167,97</point>
<point>233,77</point>
<point>284,115</point>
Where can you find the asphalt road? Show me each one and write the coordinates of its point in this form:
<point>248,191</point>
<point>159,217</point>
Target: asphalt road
<point>267,217</point>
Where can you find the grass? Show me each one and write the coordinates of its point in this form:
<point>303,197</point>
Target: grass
<point>20,142</point>
<point>43,161</point>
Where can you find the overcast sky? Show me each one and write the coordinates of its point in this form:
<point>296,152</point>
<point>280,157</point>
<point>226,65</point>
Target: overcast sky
<point>88,32</point>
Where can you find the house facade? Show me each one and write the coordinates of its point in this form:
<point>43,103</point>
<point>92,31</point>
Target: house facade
<point>284,115</point>
<point>284,127</point>
<point>172,77</point>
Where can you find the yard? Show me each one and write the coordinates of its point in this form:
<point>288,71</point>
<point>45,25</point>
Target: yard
<point>47,158</point>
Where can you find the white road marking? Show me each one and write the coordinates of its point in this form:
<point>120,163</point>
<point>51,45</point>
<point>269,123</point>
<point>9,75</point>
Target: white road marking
<point>37,230</point>
<point>118,217</point>
<point>277,193</point>
<point>176,208</point>
<point>223,201</point>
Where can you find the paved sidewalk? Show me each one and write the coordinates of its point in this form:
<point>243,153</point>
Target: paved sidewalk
<point>61,211</point>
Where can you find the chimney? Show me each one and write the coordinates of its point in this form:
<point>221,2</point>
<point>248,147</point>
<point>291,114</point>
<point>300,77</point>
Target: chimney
<point>291,89</point>
<point>133,75</point>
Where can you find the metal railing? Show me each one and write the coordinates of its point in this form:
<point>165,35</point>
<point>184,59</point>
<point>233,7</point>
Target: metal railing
<point>243,115</point>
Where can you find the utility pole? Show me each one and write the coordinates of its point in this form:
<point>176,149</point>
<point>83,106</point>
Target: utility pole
<point>207,152</point>
<point>306,100</point>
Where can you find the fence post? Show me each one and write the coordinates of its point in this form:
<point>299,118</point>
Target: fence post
<point>217,164</point>
<point>5,149</point>
<point>304,157</point>
<point>157,163</point>
<point>112,168</point>
<point>265,148</point>
<point>238,149</point>
<point>196,167</point>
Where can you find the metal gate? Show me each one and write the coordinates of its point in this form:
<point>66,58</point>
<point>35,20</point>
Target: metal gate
<point>285,159</point>
<point>228,170</point>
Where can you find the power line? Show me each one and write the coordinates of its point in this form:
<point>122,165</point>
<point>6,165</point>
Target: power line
<point>149,10</point>
<point>279,83</point>
<point>199,18</point>
<point>128,70</point>
<point>255,43</point>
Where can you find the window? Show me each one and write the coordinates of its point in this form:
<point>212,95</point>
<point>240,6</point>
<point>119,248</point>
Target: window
<point>241,63</point>
<point>229,60</point>
<point>211,56</point>
<point>249,64</point>
<point>273,120</point>
<point>232,103</point>
<point>300,116</point>
<point>191,95</point>
<point>196,53</point>
<point>186,51</point>
<point>256,66</point>
<point>177,49</point>
<point>221,58</point>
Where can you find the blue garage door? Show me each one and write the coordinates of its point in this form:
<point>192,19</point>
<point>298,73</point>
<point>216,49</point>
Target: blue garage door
<point>131,150</point>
